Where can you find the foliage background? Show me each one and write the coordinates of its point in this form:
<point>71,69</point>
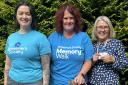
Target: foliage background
<point>116,10</point>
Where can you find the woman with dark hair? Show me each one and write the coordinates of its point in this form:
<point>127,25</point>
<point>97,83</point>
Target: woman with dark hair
<point>32,12</point>
<point>72,49</point>
<point>27,56</point>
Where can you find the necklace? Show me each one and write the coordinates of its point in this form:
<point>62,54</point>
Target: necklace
<point>103,47</point>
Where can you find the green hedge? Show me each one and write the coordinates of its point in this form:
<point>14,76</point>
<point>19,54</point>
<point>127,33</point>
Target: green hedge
<point>116,10</point>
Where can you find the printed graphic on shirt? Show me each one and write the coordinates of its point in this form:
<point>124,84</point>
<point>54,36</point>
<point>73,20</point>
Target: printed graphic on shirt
<point>17,49</point>
<point>63,52</point>
<point>17,44</point>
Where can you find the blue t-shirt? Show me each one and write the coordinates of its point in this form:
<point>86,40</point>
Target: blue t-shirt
<point>25,51</point>
<point>68,56</point>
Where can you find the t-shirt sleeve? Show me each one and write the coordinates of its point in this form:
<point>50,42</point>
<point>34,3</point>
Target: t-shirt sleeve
<point>88,47</point>
<point>6,46</point>
<point>50,38</point>
<point>44,45</point>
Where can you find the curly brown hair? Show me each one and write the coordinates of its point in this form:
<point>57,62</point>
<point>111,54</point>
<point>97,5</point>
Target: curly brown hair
<point>59,17</point>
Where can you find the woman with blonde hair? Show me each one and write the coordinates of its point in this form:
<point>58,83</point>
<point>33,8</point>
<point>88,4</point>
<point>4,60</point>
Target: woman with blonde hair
<point>109,55</point>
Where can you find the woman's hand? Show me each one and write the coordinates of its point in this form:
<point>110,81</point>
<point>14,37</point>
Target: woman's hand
<point>79,79</point>
<point>95,57</point>
<point>108,59</point>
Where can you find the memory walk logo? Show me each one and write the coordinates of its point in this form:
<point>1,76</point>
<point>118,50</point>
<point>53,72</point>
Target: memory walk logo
<point>64,52</point>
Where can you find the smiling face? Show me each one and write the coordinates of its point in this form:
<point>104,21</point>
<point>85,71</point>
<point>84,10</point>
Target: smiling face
<point>102,31</point>
<point>68,22</point>
<point>23,16</point>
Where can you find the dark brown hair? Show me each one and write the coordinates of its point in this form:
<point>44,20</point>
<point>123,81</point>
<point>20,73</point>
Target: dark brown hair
<point>59,17</point>
<point>32,12</point>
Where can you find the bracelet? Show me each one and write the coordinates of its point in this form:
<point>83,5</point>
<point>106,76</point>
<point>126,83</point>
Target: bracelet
<point>82,74</point>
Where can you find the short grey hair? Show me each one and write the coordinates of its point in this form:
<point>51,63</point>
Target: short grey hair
<point>107,20</point>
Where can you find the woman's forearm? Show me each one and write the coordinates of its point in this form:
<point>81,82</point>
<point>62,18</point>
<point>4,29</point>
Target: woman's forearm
<point>6,70</point>
<point>85,68</point>
<point>5,77</point>
<point>46,68</point>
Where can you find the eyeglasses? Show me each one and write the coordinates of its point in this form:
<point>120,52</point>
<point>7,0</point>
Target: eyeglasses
<point>103,27</point>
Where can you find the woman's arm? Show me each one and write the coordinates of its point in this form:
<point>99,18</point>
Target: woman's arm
<point>121,61</point>
<point>88,53</point>
<point>85,68</point>
<point>6,70</point>
<point>45,59</point>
